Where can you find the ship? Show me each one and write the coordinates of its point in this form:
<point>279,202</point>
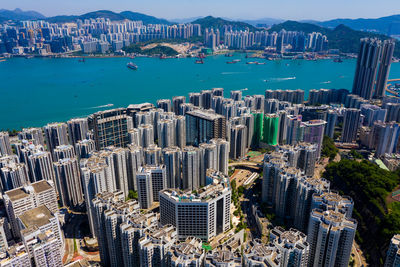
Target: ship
<point>251,62</point>
<point>132,66</point>
<point>229,55</point>
<point>338,60</point>
<point>163,56</point>
<point>81,60</point>
<point>231,62</point>
<point>199,61</point>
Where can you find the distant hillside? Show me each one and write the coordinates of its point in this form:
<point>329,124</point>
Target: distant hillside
<point>218,23</point>
<point>267,21</point>
<point>386,25</point>
<point>341,37</point>
<point>18,14</point>
<point>145,18</point>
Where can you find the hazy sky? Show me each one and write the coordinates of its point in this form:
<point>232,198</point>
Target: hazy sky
<point>251,9</point>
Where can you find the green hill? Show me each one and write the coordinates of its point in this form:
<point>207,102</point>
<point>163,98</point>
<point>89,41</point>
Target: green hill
<point>218,23</point>
<point>110,15</point>
<point>341,37</point>
<point>145,18</point>
<point>385,25</point>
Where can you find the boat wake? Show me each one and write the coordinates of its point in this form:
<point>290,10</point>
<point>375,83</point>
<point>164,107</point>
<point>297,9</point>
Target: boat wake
<point>230,73</point>
<point>282,79</point>
<point>326,82</point>
<point>103,106</point>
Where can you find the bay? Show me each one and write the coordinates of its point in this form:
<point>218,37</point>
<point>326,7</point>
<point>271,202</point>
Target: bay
<point>34,92</point>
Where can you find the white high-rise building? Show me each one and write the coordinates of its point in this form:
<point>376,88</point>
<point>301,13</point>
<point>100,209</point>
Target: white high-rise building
<point>203,214</point>
<point>150,180</point>
<point>154,245</point>
<point>187,253</point>
<point>192,168</point>
<point>5,146</point>
<point>56,135</point>
<point>166,133</point>
<point>20,200</point>
<point>40,166</point>
<point>293,246</point>
<point>84,148</point>
<point>68,181</point>
<point>77,129</point>
<point>172,158</point>
<point>393,252</point>
<point>330,235</point>
<point>223,154</point>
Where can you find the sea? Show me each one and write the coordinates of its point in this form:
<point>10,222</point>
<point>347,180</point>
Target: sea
<point>37,91</point>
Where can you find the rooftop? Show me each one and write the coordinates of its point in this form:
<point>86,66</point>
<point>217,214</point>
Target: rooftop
<point>205,114</point>
<point>36,217</point>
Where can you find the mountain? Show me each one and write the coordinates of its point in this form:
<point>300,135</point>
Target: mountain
<point>341,37</point>
<point>386,25</point>
<point>18,14</point>
<point>110,15</point>
<point>218,23</point>
<point>266,21</point>
<point>145,18</point>
<point>185,20</point>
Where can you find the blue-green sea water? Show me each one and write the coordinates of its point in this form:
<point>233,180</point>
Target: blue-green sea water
<point>34,92</point>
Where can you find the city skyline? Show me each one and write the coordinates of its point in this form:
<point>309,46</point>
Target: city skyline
<point>178,9</point>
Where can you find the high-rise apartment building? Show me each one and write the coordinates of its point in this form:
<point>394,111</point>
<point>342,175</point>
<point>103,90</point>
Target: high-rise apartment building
<point>172,158</point>
<point>330,235</point>
<point>84,147</point>
<point>5,146</point>
<point>204,214</point>
<point>56,135</point>
<point>292,245</point>
<point>193,172</point>
<point>314,133</point>
<point>204,125</point>
<point>367,66</point>
<point>384,68</point>
<point>351,122</point>
<point>110,127</point>
<point>393,252</point>
<point>20,200</point>
<point>77,129</point>
<point>68,182</point>
<point>150,181</point>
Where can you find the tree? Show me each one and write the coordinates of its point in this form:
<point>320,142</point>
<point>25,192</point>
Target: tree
<point>132,195</point>
<point>329,149</point>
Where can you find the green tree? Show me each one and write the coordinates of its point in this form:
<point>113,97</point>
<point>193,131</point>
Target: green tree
<point>329,149</point>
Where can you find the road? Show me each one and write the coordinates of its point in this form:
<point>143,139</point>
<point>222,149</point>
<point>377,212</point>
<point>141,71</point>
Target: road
<point>73,232</point>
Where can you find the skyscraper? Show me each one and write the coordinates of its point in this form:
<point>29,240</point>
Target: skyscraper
<point>56,134</point>
<point>292,245</point>
<point>176,102</point>
<point>150,180</point>
<point>110,127</point>
<point>166,133</point>
<point>32,134</point>
<point>192,168</point>
<point>384,68</point>
<point>68,182</point>
<point>77,129</point>
<point>271,129</point>
<point>63,152</point>
<point>330,235</point>
<point>172,158</point>
<point>367,65</point>
<point>238,141</point>
<point>223,154</point>
<point>393,253</point>
<point>351,122</point>
<point>84,148</point>
<point>5,147</point>
<point>314,133</point>
<point>40,166</point>
<point>202,126</point>
<point>22,199</point>
<point>164,104</point>
<point>204,214</point>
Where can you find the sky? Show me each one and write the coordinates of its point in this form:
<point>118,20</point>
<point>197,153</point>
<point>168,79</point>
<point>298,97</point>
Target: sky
<point>235,9</point>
